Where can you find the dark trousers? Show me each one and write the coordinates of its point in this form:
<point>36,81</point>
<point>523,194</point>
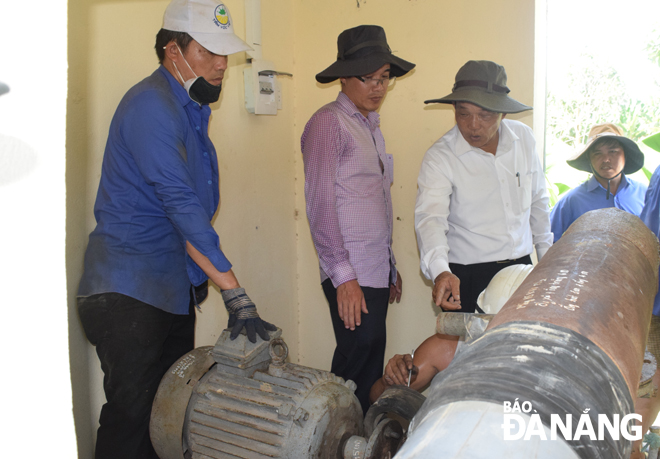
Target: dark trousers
<point>136,344</point>
<point>475,278</point>
<point>360,354</point>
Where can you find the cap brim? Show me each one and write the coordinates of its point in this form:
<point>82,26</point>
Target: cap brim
<point>491,101</point>
<point>221,43</point>
<point>653,141</point>
<point>364,66</point>
<point>634,156</point>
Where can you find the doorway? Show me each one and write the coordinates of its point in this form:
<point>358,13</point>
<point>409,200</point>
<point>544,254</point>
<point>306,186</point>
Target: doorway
<point>602,65</point>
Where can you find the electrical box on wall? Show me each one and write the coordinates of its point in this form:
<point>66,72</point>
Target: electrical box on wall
<point>263,95</point>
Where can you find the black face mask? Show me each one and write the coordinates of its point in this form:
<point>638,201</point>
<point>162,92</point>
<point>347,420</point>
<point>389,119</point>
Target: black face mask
<point>201,91</point>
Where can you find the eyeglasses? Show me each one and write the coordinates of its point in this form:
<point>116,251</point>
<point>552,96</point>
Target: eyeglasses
<point>385,81</point>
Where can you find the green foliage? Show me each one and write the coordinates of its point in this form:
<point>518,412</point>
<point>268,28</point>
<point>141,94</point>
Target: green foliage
<point>639,119</point>
<point>653,47</point>
<point>598,95</point>
<point>651,441</point>
<point>594,94</point>
<point>562,188</point>
<point>552,191</point>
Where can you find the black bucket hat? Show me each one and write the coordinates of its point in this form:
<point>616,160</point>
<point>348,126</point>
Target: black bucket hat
<point>634,156</point>
<point>360,51</point>
<point>482,83</point>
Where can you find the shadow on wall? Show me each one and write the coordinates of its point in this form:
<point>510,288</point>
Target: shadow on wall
<point>77,147</point>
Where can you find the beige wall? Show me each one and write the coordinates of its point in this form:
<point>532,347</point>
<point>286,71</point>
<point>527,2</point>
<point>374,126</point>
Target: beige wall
<point>438,36</point>
<point>261,221</point>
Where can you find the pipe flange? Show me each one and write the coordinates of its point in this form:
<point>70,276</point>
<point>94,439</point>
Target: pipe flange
<point>385,440</point>
<point>400,400</point>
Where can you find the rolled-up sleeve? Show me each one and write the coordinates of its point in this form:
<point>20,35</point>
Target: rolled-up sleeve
<point>431,215</point>
<point>155,135</point>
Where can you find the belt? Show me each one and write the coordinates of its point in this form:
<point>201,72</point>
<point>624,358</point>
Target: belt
<point>512,261</point>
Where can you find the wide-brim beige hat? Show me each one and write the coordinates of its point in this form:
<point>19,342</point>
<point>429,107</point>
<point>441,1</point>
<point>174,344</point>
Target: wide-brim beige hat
<point>208,22</point>
<point>482,83</point>
<point>634,156</point>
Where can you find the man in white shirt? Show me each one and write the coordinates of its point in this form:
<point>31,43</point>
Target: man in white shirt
<point>482,203</point>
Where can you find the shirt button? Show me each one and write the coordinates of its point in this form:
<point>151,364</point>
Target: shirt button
<point>206,154</point>
<point>210,182</point>
<point>197,127</point>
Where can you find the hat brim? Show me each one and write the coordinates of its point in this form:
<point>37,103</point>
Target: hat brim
<point>653,141</point>
<point>634,156</point>
<point>220,43</point>
<point>364,66</point>
<point>491,101</point>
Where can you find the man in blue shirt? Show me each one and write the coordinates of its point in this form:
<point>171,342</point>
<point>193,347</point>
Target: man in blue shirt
<point>650,215</point>
<point>153,250</point>
<point>609,156</point>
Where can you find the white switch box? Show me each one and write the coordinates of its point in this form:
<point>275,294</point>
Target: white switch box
<point>262,92</point>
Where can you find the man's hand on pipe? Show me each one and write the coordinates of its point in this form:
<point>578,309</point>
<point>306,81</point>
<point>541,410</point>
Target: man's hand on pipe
<point>446,291</point>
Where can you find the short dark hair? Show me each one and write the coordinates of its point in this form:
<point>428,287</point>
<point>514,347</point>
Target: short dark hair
<point>164,36</point>
<point>603,142</point>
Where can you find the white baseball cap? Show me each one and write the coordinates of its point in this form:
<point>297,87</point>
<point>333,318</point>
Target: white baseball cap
<point>208,22</point>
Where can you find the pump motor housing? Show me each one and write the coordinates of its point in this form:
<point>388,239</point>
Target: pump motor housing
<point>240,399</point>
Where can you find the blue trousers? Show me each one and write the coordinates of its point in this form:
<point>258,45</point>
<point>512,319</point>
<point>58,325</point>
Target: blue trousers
<point>136,344</point>
<point>360,354</point>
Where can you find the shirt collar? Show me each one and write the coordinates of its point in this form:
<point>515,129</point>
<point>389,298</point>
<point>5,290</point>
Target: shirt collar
<point>178,90</point>
<point>347,105</point>
<point>504,144</point>
<point>593,184</point>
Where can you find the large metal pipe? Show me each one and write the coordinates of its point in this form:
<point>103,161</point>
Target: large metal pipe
<point>570,340</point>
<point>599,281</point>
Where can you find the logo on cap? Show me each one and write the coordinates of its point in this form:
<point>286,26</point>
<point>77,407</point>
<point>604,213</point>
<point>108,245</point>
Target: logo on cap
<point>221,16</point>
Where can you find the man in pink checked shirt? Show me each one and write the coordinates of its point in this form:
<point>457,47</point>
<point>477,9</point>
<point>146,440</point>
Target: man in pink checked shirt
<point>348,176</point>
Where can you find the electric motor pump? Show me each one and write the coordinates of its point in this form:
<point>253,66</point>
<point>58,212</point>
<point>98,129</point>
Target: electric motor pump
<point>243,400</point>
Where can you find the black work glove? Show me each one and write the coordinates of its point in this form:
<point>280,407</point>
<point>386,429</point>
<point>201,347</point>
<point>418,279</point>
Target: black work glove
<point>243,313</point>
